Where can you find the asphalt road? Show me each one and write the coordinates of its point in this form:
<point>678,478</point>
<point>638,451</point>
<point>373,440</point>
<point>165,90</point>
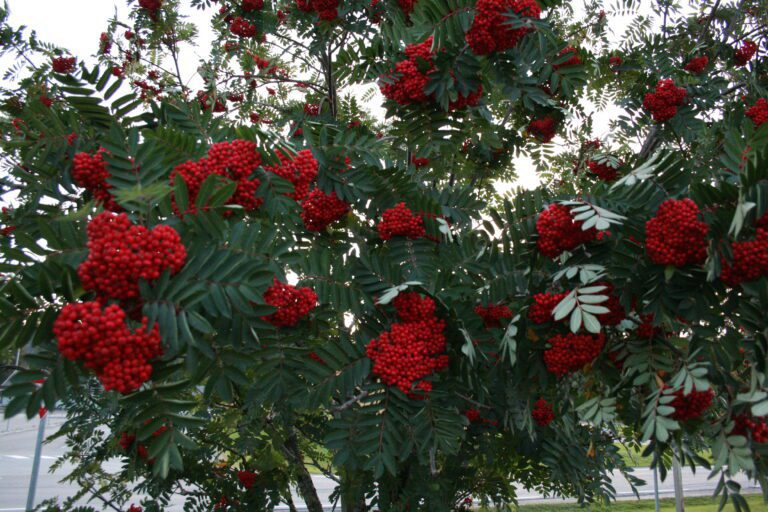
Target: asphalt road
<point>17,445</point>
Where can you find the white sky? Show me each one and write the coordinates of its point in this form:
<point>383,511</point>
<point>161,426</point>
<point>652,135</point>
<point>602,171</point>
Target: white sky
<point>77,24</point>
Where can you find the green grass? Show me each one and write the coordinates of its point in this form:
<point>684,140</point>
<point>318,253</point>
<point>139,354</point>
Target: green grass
<point>702,504</point>
<point>632,458</point>
<point>636,459</point>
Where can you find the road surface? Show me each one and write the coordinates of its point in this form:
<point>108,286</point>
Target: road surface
<point>17,446</point>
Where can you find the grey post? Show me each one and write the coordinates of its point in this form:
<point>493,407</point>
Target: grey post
<point>36,464</point>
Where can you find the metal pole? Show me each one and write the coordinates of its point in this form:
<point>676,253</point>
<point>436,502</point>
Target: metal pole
<point>36,464</point>
<point>18,356</point>
<point>677,477</point>
<point>656,488</point>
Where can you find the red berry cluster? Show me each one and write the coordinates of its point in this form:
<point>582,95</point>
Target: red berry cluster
<point>407,6</point>
<point>90,172</point>
<point>493,314</point>
<point>311,109</point>
<point>543,129</point>
<point>135,508</point>
<point>239,26</point>
<point>236,160</point>
<point>208,101</point>
<point>663,103</point>
<point>292,303</point>
<point>105,43</point>
<point>490,32</point>
<point>151,6</point>
<point>692,405</point>
<point>762,222</point>
<point>558,232</point>
<point>697,65</point>
<point>400,221</point>
<point>45,100</point>
<point>473,415</point>
<point>571,352</point>
<point>744,53</point>
<point>615,61</point>
<point>301,171</point>
<point>247,478</point>
<point>405,86</point>
<point>542,413</point>
<point>540,312</point>
<point>413,349</point>
<point>750,260</point>
<point>316,357</point>
<point>325,9</point>
<point>603,170</point>
<point>758,112</point>
<point>542,309</point>
<point>63,65</point>
<point>616,311</point>
<point>102,340</point>
<point>319,210</point>
<point>419,161</point>
<point>127,440</point>
<point>252,5</point>
<point>676,236</point>
<point>573,60</point>
<point>646,330</point>
<point>407,83</point>
<point>121,253</point>
<point>757,427</point>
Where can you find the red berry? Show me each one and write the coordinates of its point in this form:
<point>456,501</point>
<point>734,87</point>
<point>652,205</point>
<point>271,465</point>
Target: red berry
<point>489,31</point>
<point>63,65</point>
<point>573,60</point>
<point>758,112</point>
<point>542,413</point>
<point>412,349</point>
<point>405,86</point>
<point>151,6</point>
<point>121,253</point>
<point>90,172</point>
<point>319,210</point>
<point>241,27</point>
<point>676,236</point>
<point>292,303</point>
<point>750,260</point>
<point>236,160</point>
<point>473,415</point>
<point>252,5</point>
<point>493,314</point>
<point>247,478</point>
<point>663,103</point>
<point>697,65</point>
<point>558,232</point>
<point>571,352</point>
<point>301,170</point>
<point>102,340</point>
<point>692,405</point>
<point>744,53</point>
<point>400,221</point>
<point>603,170</point>
<point>543,129</point>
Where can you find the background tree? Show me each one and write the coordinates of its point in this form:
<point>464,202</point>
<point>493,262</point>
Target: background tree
<point>254,278</point>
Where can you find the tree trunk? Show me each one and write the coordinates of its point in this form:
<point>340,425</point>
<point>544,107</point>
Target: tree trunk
<point>303,478</point>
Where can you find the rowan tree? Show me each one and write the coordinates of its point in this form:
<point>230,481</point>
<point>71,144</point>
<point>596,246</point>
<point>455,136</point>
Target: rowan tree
<point>229,285</point>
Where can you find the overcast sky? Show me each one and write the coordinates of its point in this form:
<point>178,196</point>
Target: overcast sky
<point>77,24</point>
